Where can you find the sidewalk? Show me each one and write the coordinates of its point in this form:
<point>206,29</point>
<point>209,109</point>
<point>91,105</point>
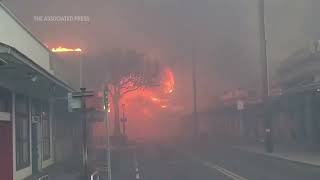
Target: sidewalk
<point>294,154</point>
<point>58,172</point>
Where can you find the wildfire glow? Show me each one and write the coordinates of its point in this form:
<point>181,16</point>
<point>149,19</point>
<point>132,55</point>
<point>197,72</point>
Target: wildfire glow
<point>62,49</point>
<point>145,103</point>
<point>109,109</point>
<point>164,106</point>
<point>155,99</point>
<point>169,82</point>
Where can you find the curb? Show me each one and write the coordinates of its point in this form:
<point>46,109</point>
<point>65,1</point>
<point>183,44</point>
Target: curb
<point>276,157</point>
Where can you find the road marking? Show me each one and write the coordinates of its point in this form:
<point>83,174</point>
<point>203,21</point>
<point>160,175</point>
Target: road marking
<point>221,170</point>
<point>137,176</point>
<point>228,173</point>
<point>136,164</point>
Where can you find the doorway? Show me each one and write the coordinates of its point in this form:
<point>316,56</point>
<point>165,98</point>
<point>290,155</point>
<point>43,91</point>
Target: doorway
<point>6,156</point>
<point>36,156</point>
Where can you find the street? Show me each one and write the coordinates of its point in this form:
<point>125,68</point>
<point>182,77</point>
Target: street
<point>158,162</point>
<point>160,90</point>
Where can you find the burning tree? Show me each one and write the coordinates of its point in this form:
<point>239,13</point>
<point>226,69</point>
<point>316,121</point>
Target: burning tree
<point>128,71</point>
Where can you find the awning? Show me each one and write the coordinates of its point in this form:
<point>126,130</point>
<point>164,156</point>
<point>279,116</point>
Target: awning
<point>20,73</point>
<point>312,87</point>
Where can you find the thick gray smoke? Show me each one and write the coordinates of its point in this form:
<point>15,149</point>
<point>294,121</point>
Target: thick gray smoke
<point>224,34</point>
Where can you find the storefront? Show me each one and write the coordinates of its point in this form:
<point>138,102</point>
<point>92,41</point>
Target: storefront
<point>299,79</point>
<point>27,96</point>
<point>6,152</point>
<point>32,84</point>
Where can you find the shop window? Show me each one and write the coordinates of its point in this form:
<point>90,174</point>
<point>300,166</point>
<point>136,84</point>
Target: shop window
<point>5,100</point>
<point>22,132</point>
<point>46,131</point>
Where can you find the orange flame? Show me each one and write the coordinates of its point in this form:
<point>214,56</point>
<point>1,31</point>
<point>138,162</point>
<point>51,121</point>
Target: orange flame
<point>62,49</point>
<point>169,82</point>
<point>164,106</point>
<point>150,100</point>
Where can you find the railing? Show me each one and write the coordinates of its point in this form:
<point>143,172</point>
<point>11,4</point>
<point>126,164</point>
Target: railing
<point>45,177</point>
<point>95,176</point>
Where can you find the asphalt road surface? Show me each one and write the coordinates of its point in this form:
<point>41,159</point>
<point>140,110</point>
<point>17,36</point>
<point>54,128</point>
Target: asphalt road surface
<point>157,162</point>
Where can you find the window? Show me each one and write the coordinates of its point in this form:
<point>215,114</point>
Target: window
<point>46,132</point>
<point>5,100</point>
<point>22,132</point>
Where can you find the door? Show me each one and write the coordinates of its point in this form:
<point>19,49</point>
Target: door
<point>36,135</point>
<point>6,160</point>
<point>36,158</point>
<point>34,148</point>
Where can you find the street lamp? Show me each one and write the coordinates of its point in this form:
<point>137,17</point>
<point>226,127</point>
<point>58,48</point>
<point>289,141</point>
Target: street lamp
<point>106,109</point>
<point>265,78</point>
<point>194,85</point>
<point>83,94</point>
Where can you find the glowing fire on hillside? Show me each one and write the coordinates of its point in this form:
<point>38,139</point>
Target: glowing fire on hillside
<point>62,49</point>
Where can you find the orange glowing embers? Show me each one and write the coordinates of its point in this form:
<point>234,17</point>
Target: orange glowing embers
<point>62,49</point>
<point>160,96</point>
<point>154,99</point>
<point>168,82</point>
<point>164,106</point>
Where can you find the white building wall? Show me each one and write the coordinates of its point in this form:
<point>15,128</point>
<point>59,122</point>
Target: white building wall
<point>16,35</point>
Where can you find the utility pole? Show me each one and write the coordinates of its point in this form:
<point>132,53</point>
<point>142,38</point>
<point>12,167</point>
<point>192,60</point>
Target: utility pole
<point>265,78</point>
<point>194,84</point>
<point>80,99</point>
<point>106,107</point>
<point>85,132</point>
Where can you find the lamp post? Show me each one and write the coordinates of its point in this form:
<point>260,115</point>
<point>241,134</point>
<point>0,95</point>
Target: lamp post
<point>82,95</point>
<point>84,134</point>
<point>194,85</point>
<point>265,78</point>
<point>106,107</point>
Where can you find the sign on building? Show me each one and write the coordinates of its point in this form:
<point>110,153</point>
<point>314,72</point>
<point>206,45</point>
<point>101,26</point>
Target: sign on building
<point>74,103</point>
<point>240,105</point>
<point>75,99</point>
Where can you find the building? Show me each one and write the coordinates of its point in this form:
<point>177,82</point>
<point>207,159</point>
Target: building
<point>294,99</point>
<point>36,131</point>
<point>299,79</point>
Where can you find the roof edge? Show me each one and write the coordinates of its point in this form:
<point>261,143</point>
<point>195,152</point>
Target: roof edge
<point>14,17</point>
<point>17,54</point>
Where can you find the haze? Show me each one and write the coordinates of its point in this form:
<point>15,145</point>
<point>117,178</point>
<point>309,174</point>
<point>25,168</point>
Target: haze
<point>224,34</point>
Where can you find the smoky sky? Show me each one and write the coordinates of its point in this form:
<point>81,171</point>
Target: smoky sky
<point>223,33</point>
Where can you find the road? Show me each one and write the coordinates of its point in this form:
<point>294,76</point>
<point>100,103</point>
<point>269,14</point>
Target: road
<point>156,162</point>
